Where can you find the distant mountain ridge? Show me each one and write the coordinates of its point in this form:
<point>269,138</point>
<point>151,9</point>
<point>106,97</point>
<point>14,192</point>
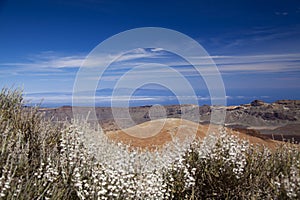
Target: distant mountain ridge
<point>279,118</point>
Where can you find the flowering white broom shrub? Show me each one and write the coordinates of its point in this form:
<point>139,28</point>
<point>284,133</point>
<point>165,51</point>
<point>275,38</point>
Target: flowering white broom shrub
<point>42,160</point>
<point>223,166</point>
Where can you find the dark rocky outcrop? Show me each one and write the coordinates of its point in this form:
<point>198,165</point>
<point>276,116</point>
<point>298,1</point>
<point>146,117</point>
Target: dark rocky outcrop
<point>257,103</point>
<point>288,102</point>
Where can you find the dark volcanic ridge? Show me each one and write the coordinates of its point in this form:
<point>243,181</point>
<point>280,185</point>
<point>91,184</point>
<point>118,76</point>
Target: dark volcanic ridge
<point>277,120</point>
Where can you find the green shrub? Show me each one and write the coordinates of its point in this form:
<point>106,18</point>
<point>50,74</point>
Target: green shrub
<point>231,168</point>
<point>28,144</point>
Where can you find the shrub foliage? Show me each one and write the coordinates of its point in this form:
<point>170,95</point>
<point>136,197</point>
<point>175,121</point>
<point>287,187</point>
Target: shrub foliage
<point>42,160</point>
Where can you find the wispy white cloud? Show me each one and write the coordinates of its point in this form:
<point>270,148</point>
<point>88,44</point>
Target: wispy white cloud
<point>259,63</point>
<point>42,62</point>
<point>269,63</point>
<point>46,64</point>
<point>256,37</point>
<point>53,62</point>
<point>281,13</point>
<point>156,49</point>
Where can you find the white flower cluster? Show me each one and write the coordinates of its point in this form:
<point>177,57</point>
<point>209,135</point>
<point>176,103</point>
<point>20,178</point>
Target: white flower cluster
<point>93,167</point>
<point>118,171</point>
<point>236,150</point>
<point>8,170</point>
<point>122,172</point>
<point>226,147</point>
<point>5,179</point>
<point>290,183</point>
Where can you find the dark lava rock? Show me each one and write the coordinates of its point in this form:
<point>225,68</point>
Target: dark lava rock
<point>277,116</point>
<point>257,103</point>
<point>288,102</point>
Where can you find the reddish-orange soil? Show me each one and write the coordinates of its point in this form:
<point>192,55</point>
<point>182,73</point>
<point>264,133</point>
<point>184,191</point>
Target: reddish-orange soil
<point>159,132</point>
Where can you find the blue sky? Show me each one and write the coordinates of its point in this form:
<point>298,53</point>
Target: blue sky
<point>255,44</point>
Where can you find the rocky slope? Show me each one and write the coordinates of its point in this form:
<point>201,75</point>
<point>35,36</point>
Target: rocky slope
<point>281,118</point>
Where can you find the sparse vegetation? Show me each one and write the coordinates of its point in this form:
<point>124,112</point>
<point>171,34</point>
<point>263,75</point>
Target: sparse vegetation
<point>40,160</point>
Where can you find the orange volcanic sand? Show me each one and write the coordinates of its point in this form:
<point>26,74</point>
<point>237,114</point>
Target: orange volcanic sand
<point>159,132</point>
